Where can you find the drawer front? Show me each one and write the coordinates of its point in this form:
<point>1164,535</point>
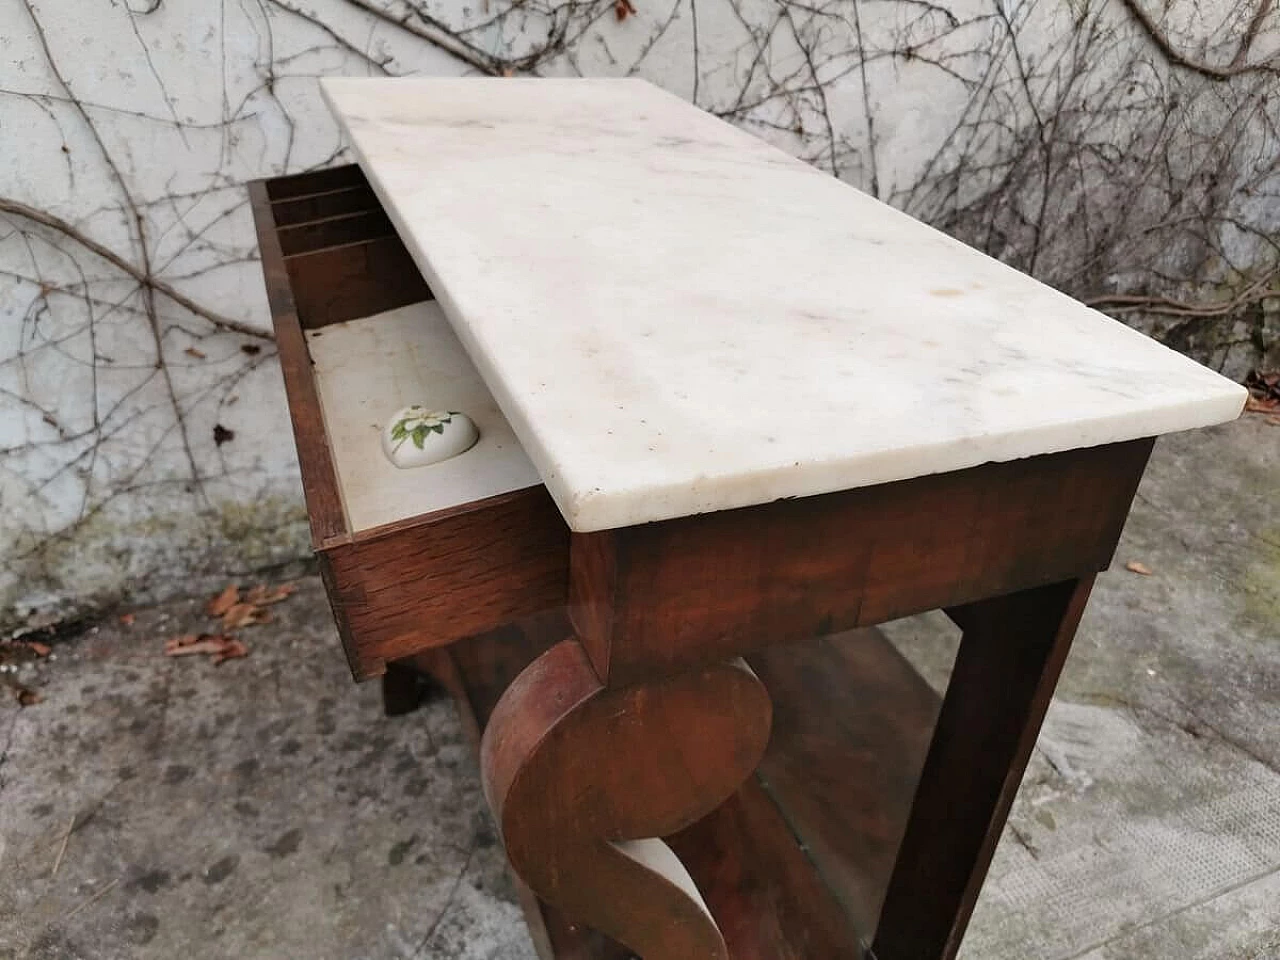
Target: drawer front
<point>450,576</point>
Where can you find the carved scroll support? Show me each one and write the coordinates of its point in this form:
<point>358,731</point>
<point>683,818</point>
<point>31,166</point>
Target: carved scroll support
<point>584,780</point>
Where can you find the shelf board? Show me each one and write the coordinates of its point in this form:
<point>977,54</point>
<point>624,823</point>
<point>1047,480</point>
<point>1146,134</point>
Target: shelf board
<point>851,725</point>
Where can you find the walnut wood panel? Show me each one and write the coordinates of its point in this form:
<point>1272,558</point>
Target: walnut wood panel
<point>851,725</point>
<point>334,231</point>
<point>315,181</point>
<point>593,596</point>
<point>703,588</point>
<point>405,587</point>
<point>319,206</point>
<point>315,461</point>
<point>1011,654</point>
<point>356,280</point>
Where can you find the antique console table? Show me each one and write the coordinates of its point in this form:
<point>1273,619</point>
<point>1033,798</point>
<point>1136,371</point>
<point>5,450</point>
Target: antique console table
<point>727,407</point>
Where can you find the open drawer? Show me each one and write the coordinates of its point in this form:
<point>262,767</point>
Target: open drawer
<point>411,558</point>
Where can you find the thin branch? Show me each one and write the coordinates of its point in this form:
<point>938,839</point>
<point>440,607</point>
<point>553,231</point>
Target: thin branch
<point>1175,56</point>
<point>1251,32</point>
<point>436,34</point>
<point>378,62</point>
<point>1256,292</point>
<point>45,219</point>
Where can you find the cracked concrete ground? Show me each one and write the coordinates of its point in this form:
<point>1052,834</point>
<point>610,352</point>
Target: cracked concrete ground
<point>166,808</point>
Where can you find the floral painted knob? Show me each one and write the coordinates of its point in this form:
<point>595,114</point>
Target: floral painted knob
<point>416,436</point>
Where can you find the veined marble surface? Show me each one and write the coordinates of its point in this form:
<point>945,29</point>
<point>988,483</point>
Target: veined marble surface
<point>677,318</point>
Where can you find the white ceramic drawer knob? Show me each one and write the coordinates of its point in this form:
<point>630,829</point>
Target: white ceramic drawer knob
<point>416,436</point>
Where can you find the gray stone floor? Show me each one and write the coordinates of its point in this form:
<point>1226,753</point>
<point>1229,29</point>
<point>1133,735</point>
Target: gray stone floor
<point>166,808</point>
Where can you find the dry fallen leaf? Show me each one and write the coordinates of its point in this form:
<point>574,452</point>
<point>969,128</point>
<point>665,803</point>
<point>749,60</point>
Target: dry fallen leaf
<point>1137,566</point>
<point>127,619</point>
<point>218,645</point>
<point>244,615</point>
<point>238,610</point>
<point>623,9</point>
<point>263,595</point>
<point>38,648</point>
<point>193,352</point>
<point>1261,405</point>
<point>230,651</point>
<point>224,601</point>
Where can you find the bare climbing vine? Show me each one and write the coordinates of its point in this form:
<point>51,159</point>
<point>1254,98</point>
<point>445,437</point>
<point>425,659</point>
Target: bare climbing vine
<point>1125,151</point>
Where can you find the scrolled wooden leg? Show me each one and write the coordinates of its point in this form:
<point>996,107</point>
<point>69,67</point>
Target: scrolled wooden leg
<point>583,779</point>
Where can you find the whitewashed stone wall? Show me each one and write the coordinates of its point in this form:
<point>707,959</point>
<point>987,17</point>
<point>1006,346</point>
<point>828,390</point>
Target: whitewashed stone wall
<point>1124,150</point>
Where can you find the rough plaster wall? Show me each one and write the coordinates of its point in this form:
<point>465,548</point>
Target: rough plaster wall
<point>1123,152</point>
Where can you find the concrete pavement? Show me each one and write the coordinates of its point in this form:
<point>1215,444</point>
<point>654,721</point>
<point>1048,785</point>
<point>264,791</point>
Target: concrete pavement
<point>164,808</point>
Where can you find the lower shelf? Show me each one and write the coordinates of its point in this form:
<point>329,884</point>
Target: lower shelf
<point>851,725</point>
<point>794,866</point>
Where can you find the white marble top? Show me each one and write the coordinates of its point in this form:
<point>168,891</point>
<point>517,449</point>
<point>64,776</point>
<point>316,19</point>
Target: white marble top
<point>677,318</point>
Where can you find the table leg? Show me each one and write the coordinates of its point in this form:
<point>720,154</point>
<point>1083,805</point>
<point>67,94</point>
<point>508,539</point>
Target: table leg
<point>406,687</point>
<point>1010,656</point>
<point>583,779</point>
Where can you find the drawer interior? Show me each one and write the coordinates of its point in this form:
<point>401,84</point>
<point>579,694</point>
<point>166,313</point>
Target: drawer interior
<point>412,558</point>
<point>368,368</point>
